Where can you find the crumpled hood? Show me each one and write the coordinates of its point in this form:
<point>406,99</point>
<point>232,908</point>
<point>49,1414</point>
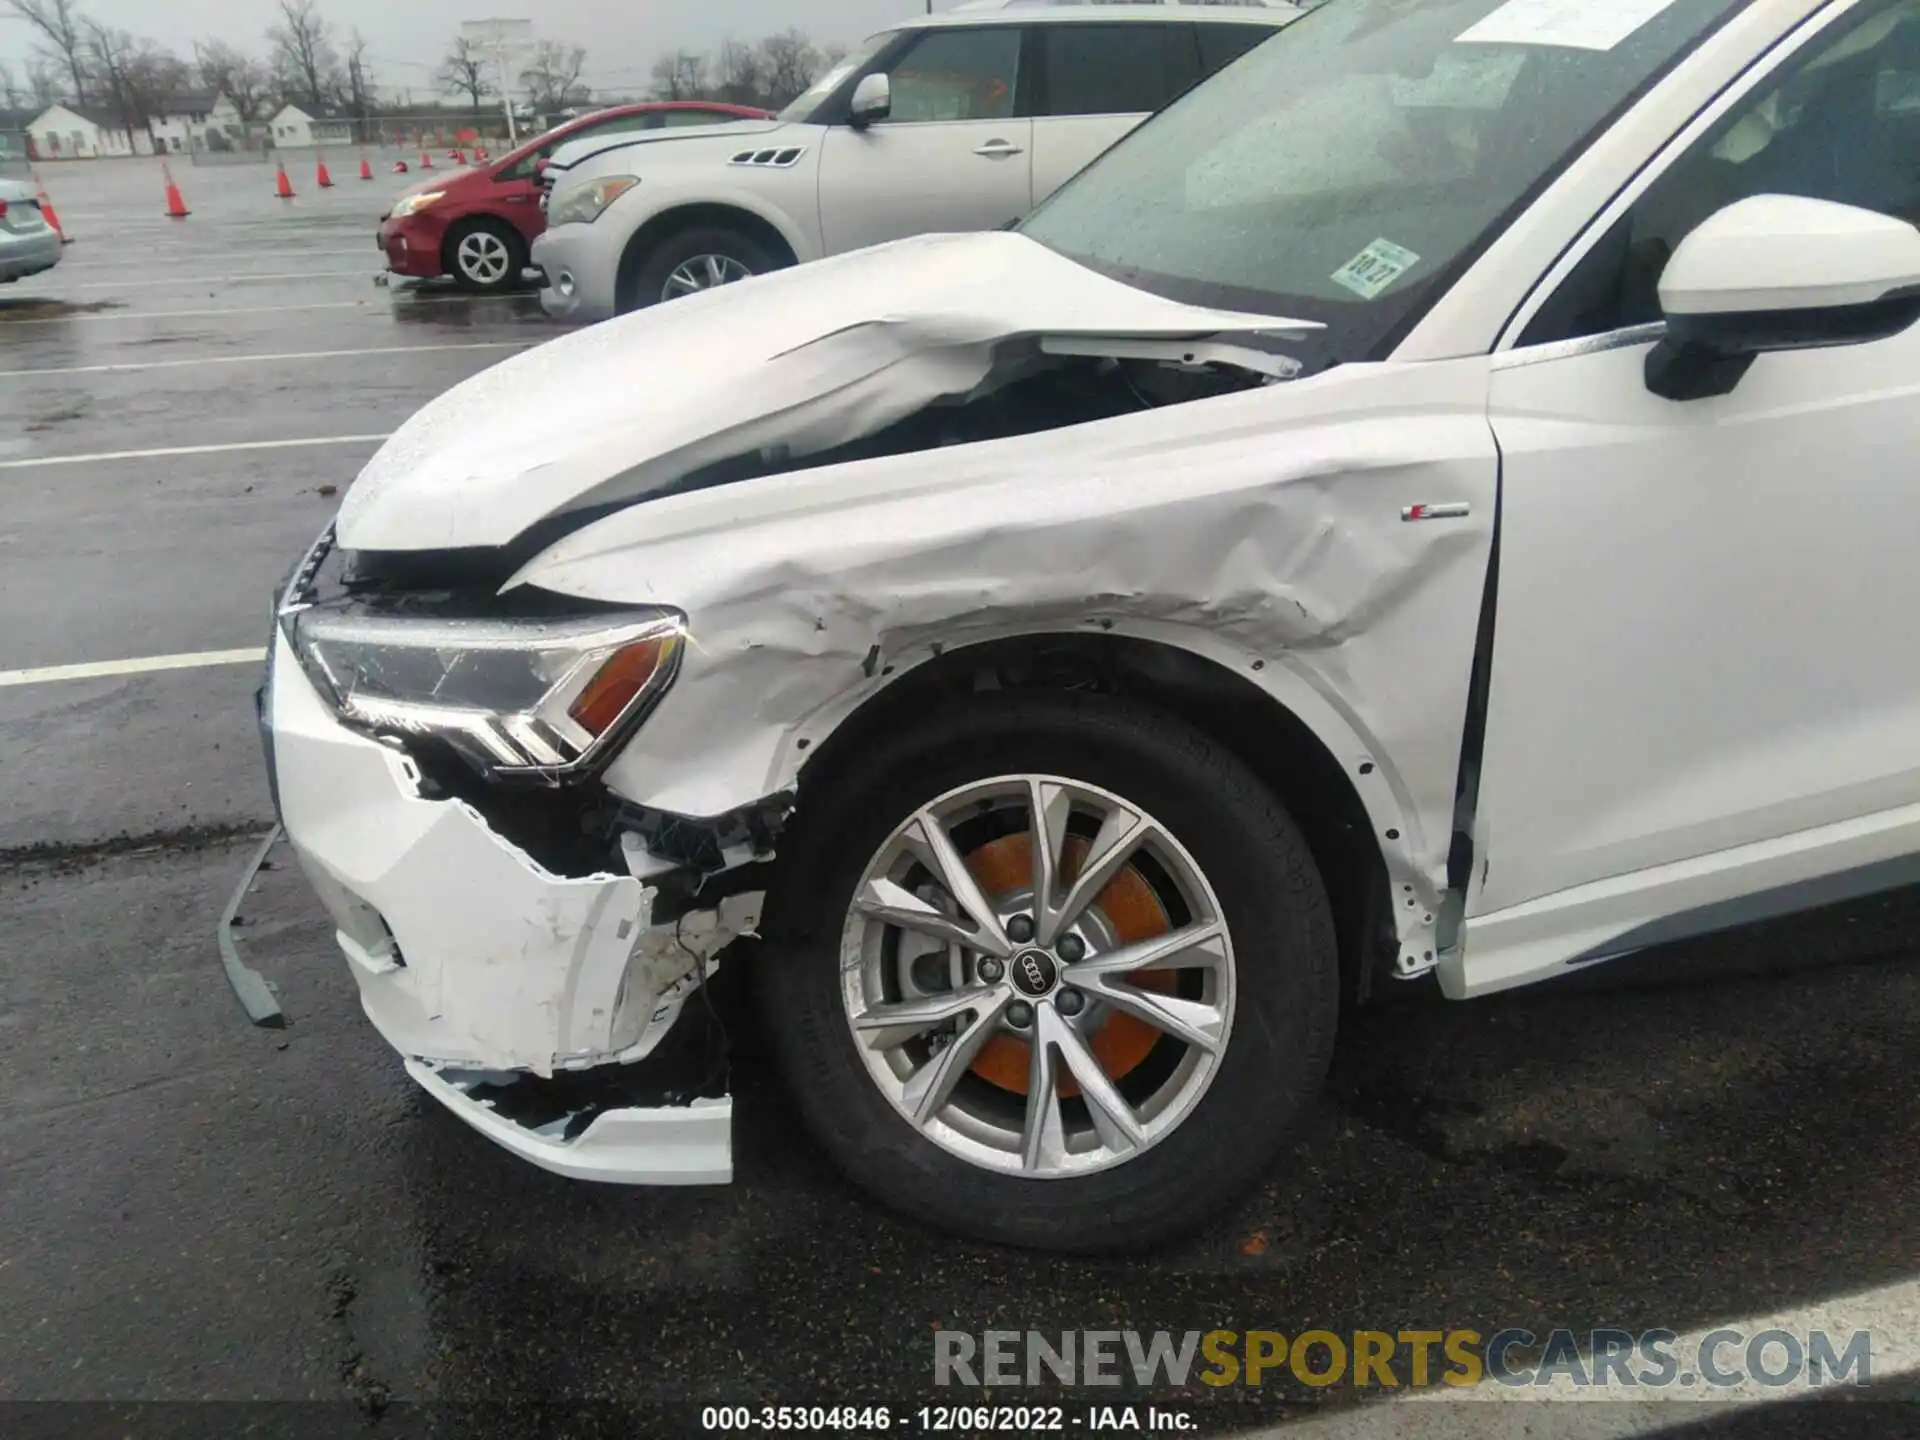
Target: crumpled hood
<point>800,360</point>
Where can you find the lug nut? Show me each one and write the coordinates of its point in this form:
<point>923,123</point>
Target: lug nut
<point>1020,1015</point>
<point>1071,1002</point>
<point>1020,929</point>
<point>1072,949</point>
<point>991,970</point>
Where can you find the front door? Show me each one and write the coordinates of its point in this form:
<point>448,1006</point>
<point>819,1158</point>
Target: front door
<point>951,156</point>
<point>1705,689</point>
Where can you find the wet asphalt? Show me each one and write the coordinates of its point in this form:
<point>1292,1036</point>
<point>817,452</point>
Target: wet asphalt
<point>193,1209</point>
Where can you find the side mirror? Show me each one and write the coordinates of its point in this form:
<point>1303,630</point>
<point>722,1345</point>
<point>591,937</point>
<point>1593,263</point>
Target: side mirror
<point>1779,272</point>
<point>872,100</point>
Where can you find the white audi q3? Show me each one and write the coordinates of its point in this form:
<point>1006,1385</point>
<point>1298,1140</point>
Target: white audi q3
<point>1434,501</point>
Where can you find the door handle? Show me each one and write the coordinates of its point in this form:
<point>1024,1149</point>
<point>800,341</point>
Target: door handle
<point>997,149</point>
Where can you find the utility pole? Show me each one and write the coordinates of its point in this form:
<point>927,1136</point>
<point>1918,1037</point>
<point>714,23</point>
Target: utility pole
<point>501,39</point>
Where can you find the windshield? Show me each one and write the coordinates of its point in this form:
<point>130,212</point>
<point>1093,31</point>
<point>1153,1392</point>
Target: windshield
<point>815,95</point>
<point>1346,169</point>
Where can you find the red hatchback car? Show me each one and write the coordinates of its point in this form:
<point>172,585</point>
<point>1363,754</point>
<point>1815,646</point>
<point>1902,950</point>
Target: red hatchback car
<point>477,224</point>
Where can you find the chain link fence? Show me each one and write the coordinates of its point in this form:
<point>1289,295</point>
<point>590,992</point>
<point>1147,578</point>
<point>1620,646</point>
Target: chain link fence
<point>389,137</point>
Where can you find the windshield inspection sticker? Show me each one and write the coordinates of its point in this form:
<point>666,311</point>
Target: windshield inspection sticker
<point>1573,24</point>
<point>1375,268</point>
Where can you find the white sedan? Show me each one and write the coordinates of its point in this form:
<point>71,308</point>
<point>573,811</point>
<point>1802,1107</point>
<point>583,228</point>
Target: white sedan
<point>1437,500</point>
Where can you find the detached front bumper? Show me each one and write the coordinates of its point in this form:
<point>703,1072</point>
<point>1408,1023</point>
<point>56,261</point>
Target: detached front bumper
<point>483,969</point>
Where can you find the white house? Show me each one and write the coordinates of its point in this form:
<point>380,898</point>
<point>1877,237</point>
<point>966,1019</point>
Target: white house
<point>81,132</point>
<point>295,129</point>
<point>186,122</point>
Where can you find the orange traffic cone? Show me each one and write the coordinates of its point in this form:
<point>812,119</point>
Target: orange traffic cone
<point>46,209</point>
<point>459,157</point>
<point>320,175</point>
<point>366,167</point>
<point>399,167</point>
<point>176,207</point>
<point>282,186</point>
<point>480,155</point>
<point>426,161</point>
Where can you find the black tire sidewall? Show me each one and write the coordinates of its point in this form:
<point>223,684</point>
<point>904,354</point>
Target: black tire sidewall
<point>1287,982</point>
<point>649,277</point>
<point>500,230</point>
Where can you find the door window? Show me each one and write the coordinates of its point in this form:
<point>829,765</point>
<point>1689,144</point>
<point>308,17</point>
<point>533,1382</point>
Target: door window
<point>1841,122</point>
<point>1115,69</point>
<point>676,119</point>
<point>957,75</point>
<point>1221,45</point>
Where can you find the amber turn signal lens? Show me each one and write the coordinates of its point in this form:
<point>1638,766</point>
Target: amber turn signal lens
<point>626,673</point>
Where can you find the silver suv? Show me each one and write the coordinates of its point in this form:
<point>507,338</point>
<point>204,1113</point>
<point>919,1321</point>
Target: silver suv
<point>963,121</point>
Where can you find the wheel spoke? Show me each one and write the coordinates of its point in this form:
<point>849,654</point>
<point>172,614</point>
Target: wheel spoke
<point>1047,806</point>
<point>928,839</point>
<point>1043,1137</point>
<point>1193,1022</point>
<point>1121,833</point>
<point>929,1086</point>
<point>716,270</point>
<point>884,1027</point>
<point>1191,947</point>
<point>1113,1118</point>
<point>893,904</point>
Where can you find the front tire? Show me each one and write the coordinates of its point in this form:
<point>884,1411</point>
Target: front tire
<point>986,1041</point>
<point>693,260</point>
<point>485,256</point>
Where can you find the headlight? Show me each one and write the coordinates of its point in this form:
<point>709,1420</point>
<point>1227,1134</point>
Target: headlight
<point>582,204</point>
<point>413,204</point>
<point>542,699</point>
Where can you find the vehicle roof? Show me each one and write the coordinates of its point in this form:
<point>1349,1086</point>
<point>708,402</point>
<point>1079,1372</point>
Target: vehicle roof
<point>1100,13</point>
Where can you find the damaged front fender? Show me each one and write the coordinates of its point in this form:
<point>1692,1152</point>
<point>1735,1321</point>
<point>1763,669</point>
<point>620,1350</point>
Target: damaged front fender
<point>1263,530</point>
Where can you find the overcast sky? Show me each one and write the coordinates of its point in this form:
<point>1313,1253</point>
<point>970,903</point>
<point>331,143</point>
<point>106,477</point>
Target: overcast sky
<point>407,37</point>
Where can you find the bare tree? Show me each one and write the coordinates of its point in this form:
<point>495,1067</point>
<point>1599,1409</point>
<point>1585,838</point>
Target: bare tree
<point>680,76</point>
<point>43,79</point>
<point>135,76</point>
<point>736,72</point>
<point>789,62</point>
<point>223,70</point>
<point>304,60</point>
<point>10,92</point>
<point>552,76</point>
<point>359,81</point>
<point>63,29</point>
<point>464,72</point>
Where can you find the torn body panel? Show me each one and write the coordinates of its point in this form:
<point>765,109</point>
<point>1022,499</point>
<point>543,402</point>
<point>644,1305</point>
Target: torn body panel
<point>471,957</point>
<point>1261,530</point>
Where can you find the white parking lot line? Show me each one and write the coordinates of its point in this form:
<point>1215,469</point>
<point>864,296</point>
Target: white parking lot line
<point>77,264</point>
<point>164,451</point>
<point>265,359</point>
<point>121,316</point>
<point>228,279</point>
<point>48,674</point>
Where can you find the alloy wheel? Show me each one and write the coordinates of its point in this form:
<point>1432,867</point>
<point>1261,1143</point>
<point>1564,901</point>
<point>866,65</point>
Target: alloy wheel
<point>1037,975</point>
<point>702,272</point>
<point>483,257</point>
